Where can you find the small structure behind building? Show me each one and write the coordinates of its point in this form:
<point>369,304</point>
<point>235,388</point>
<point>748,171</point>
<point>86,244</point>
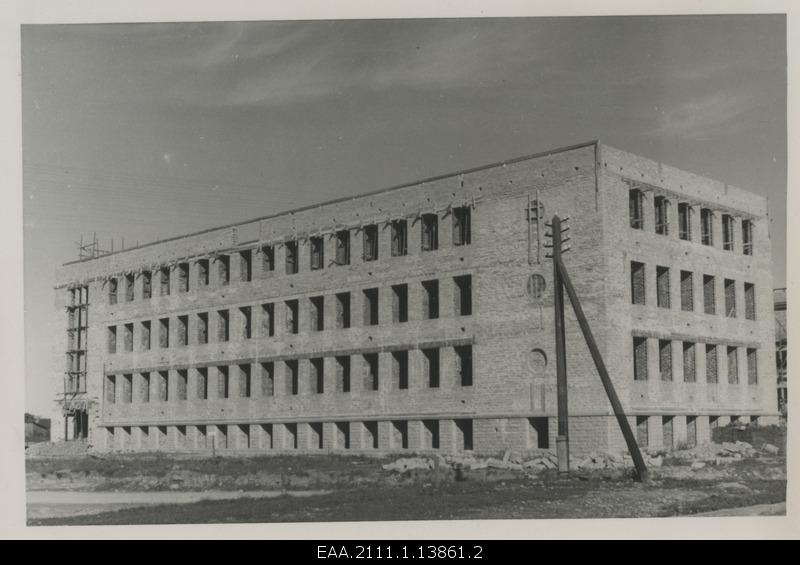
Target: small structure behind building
<point>779,300</point>
<point>36,429</point>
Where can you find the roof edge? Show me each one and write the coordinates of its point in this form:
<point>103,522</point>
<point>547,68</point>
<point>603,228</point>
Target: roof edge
<point>563,149</point>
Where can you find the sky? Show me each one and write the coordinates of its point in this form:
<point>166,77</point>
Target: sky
<point>147,131</point>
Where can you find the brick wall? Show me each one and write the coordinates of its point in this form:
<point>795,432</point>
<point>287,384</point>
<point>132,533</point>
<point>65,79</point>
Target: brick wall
<point>509,329</point>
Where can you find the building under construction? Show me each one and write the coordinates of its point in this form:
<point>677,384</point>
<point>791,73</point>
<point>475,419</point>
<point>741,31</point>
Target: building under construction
<point>420,317</point>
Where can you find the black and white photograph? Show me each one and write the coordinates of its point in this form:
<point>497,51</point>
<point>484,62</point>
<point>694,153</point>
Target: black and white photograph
<point>323,270</point>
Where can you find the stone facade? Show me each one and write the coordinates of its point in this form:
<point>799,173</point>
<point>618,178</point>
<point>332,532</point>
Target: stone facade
<point>343,355</point>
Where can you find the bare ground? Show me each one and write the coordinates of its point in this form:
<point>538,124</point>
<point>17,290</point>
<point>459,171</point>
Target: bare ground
<point>360,489</point>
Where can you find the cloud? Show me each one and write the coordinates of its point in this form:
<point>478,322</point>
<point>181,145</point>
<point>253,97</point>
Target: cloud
<point>714,114</point>
<point>288,62</point>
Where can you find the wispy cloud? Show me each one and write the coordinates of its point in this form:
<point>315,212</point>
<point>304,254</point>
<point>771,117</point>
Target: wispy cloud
<point>717,113</point>
<point>248,66</point>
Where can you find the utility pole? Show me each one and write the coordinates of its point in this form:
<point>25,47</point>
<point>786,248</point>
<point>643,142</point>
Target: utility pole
<point>561,280</point>
<point>562,439</point>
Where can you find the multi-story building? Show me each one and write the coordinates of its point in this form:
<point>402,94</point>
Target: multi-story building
<point>779,296</point>
<point>421,317</point>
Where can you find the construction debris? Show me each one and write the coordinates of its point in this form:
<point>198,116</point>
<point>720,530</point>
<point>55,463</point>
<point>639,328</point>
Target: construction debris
<point>700,456</point>
<point>770,449</point>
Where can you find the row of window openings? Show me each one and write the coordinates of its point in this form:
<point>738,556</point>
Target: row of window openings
<point>316,382</point>
<point>668,429</point>
<point>663,295</point>
<point>429,242</point>
<point>430,310</point>
<point>689,349</point>
<point>660,205</point>
<point>398,436</point>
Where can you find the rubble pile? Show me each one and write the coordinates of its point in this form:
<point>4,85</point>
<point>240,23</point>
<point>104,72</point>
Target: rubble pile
<point>510,461</point>
<point>697,457</point>
<point>716,453</point>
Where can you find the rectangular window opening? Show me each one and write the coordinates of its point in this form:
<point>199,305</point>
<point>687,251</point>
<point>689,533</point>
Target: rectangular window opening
<point>637,283</point>
<point>661,204</point>
<point>370,243</point>
<point>202,272</point>
<point>183,277</point>
<point>662,287</point>
<point>183,330</point>
<point>244,380</point>
<point>223,329</point>
<point>182,383</point>
<point>712,375</point>
<point>343,310</point>
<point>129,287</point>
<point>709,295</point>
<point>687,291</point>
<point>292,316</point>
<point>128,337</point>
<point>400,369</point>
<point>246,316</point>
<point>430,299</point>
<point>399,238</point>
<point>733,365</point>
<point>112,291</point>
<point>202,383</point>
<point>317,375</point>
<point>224,269</point>
<point>689,362</point>
<point>292,377</point>
<point>371,376</point>
<point>292,263</point>
<point>317,253</point>
<point>267,258</point>
<point>165,283</point>
<point>147,285</point>
<point>463,295</point>
<point>706,226</point>
<point>267,379</point>
<point>431,428</point>
<point>749,301</point>
<point>202,328</point>
<point>464,435</point>
<point>223,382</point>
<point>752,366</point>
<point>730,298</point>
<point>635,208</point>
<point>268,320</point>
<point>371,307</point>
<point>640,358</point>
<point>246,265</point>
<point>430,232</point>
<point>462,225</point>
<point>747,237</point>
<point>343,374</point>
<point>727,232</point>
<point>343,247</point>
<point>685,221</point>
<point>464,364</point>
<point>400,303</point>
<point>431,360</point>
<point>665,359</point>
<point>163,333</point>
<point>317,313</point>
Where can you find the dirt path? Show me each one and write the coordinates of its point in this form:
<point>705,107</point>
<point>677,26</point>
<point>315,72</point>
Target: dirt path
<point>60,504</point>
<point>778,509</point>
